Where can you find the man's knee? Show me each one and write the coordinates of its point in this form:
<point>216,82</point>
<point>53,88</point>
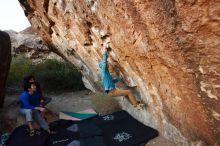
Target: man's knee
<point>28,114</point>
<point>28,111</point>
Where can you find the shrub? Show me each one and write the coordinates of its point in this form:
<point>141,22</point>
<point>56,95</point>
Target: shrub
<point>51,74</point>
<point>57,76</point>
<point>20,66</point>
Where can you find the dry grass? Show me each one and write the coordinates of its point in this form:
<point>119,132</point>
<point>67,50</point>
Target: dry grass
<point>104,104</point>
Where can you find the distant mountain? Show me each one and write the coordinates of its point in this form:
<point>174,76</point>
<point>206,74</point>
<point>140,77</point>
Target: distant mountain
<point>27,42</point>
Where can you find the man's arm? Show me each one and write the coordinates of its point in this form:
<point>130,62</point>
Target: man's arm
<point>40,109</point>
<point>26,104</point>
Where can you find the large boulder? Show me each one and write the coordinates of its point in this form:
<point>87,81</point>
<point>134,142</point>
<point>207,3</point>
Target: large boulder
<point>168,49</point>
<point>5,60</point>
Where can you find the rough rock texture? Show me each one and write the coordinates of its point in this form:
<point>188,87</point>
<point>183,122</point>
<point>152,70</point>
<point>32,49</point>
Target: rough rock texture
<point>168,49</point>
<point>27,42</point>
<point>5,60</point>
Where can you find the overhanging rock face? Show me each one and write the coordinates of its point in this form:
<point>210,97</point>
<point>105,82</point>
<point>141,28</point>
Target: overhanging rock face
<point>169,49</point>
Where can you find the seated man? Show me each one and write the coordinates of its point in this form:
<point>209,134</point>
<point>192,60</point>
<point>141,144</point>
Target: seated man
<point>31,79</point>
<point>30,108</point>
<point>109,83</point>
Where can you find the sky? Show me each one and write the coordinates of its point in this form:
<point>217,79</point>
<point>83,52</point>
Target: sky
<point>12,16</point>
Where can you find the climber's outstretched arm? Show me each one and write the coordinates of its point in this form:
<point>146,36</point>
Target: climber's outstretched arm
<point>104,62</point>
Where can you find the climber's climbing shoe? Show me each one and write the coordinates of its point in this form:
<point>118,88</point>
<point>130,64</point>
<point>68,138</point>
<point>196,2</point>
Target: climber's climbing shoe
<point>138,107</point>
<point>141,104</point>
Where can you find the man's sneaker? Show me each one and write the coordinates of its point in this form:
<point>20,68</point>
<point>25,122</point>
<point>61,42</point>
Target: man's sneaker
<point>31,132</point>
<point>37,132</point>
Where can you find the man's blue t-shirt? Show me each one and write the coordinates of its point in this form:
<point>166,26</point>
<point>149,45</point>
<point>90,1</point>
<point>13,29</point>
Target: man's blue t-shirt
<point>35,99</point>
<point>29,101</point>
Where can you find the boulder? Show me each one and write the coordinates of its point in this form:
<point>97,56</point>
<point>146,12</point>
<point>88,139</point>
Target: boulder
<point>5,60</point>
<point>167,50</point>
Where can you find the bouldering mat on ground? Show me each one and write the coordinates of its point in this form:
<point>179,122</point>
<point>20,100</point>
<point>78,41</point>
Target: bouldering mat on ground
<point>117,129</point>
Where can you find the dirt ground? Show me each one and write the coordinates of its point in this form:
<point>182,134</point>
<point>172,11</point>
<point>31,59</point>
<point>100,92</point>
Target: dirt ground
<point>74,101</point>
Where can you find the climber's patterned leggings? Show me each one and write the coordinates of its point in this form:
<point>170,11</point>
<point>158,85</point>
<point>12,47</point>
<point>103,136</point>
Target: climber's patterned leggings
<point>121,92</point>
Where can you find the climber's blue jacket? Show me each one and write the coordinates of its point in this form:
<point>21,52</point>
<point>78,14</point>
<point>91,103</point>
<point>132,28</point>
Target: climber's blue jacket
<point>107,81</point>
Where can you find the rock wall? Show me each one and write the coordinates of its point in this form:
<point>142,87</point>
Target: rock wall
<point>169,49</point>
<point>5,60</point>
